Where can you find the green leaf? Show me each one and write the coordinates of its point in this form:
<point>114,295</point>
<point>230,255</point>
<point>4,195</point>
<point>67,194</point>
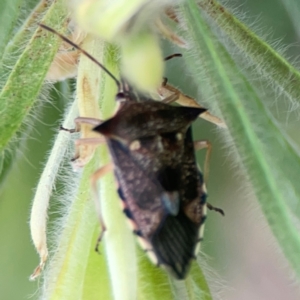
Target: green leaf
<point>200,284</point>
<point>65,273</point>
<point>9,12</point>
<point>270,159</point>
<point>277,70</point>
<point>153,282</point>
<point>26,79</point>
<point>293,8</point>
<point>96,278</point>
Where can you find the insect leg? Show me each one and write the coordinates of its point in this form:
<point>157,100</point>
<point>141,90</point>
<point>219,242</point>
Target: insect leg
<point>219,210</point>
<point>204,144</point>
<point>166,90</point>
<point>94,179</point>
<point>198,145</point>
<point>171,98</point>
<point>81,158</point>
<point>82,120</point>
<point>89,121</point>
<point>84,147</point>
<point>69,130</point>
<point>90,141</point>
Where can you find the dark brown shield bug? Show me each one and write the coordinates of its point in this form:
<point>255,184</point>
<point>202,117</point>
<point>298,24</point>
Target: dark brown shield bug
<point>161,188</point>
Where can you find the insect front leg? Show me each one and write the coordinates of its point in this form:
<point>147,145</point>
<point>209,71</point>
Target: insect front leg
<point>94,179</point>
<point>82,120</point>
<point>171,94</point>
<point>85,146</point>
<point>204,144</point>
<point>90,121</point>
<point>90,141</point>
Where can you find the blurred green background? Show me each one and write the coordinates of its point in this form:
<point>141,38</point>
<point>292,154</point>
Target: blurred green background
<point>239,247</point>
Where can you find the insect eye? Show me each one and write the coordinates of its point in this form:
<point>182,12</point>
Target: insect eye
<point>120,96</point>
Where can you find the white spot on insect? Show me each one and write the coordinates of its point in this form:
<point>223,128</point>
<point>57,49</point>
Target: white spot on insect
<point>149,250</point>
<point>159,144</point>
<point>171,202</point>
<point>178,136</point>
<point>152,257</point>
<point>132,224</point>
<point>135,145</point>
<point>123,205</point>
<point>144,244</point>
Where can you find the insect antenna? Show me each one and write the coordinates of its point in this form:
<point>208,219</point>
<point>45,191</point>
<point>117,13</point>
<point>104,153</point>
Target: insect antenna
<point>84,52</point>
<point>172,55</point>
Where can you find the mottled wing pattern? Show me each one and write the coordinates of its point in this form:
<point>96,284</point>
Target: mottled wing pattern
<point>141,194</point>
<point>153,153</point>
<point>176,242</point>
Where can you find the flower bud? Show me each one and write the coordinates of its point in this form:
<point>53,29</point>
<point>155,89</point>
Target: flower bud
<point>111,20</point>
<point>142,61</point>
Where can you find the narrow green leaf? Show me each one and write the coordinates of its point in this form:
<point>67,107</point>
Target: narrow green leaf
<point>293,8</point>
<point>9,12</point>
<point>96,283</point>
<point>25,81</point>
<point>278,71</point>
<point>179,289</point>
<point>15,47</point>
<point>153,282</point>
<point>200,282</point>
<point>271,162</point>
<point>76,271</point>
<point>64,276</point>
<point>9,58</point>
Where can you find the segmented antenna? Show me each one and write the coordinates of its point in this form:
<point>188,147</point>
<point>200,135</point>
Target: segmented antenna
<point>83,51</point>
<point>173,55</point>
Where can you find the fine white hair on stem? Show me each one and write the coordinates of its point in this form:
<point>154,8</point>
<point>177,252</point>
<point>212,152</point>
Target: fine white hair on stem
<point>38,217</point>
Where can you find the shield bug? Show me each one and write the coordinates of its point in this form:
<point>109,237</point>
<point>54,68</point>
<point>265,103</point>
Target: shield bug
<point>161,188</point>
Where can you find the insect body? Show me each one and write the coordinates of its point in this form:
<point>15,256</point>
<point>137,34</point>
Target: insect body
<point>159,182</point>
<point>160,185</point>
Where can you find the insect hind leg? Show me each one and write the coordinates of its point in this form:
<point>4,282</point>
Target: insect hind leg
<point>204,144</point>
<point>94,179</point>
<point>171,94</point>
<point>219,210</point>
